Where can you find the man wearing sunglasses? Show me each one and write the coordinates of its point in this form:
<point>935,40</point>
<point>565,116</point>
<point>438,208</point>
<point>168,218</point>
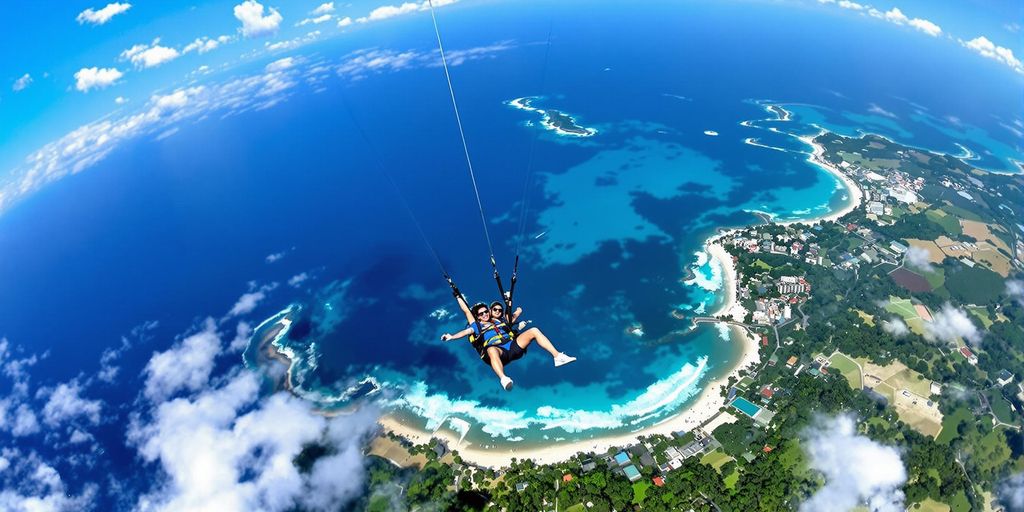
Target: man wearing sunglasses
<point>496,342</point>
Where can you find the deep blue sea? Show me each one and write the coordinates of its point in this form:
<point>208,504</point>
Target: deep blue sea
<point>175,229</point>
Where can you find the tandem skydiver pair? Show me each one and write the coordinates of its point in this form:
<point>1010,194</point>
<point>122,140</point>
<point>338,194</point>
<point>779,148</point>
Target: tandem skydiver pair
<point>498,341</point>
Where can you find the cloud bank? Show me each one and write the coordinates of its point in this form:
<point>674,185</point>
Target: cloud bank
<point>99,17</point>
<point>896,327</point>
<point>986,48</point>
<point>254,22</point>
<point>857,470</point>
<point>950,323</point>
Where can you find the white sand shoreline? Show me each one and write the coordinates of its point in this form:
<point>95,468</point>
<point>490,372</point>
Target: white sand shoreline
<point>699,412</point>
<point>856,195</point>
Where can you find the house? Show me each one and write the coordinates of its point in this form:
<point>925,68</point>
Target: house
<point>1004,378</point>
<point>567,477</point>
<point>971,358</point>
<point>589,465</point>
<point>935,388</point>
<point>658,481</point>
<point>767,392</point>
<point>791,362</point>
<point>521,486</point>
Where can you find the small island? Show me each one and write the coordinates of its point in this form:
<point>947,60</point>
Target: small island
<point>554,120</point>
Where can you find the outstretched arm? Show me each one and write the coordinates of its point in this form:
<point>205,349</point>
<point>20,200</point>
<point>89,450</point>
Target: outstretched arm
<point>461,334</point>
<point>465,309</point>
<point>516,313</point>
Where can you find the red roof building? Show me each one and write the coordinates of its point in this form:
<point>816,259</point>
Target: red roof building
<point>767,449</point>
<point>567,477</point>
<point>764,340</point>
<point>767,392</point>
<point>659,481</point>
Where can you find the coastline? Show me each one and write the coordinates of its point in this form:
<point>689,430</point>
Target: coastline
<point>706,407</point>
<point>856,194</point>
<point>730,306</point>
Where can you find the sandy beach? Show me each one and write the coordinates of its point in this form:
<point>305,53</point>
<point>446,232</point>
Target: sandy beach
<point>856,195</point>
<point>704,408</point>
<point>730,306</point>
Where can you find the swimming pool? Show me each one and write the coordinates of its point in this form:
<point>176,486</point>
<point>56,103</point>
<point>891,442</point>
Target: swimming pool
<point>746,406</point>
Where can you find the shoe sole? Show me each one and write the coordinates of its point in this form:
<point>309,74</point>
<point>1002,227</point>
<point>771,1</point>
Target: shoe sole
<point>564,363</point>
<point>508,387</point>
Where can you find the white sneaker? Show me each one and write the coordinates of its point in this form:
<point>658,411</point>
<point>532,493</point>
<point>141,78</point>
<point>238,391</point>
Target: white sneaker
<point>562,358</point>
<point>506,383</point>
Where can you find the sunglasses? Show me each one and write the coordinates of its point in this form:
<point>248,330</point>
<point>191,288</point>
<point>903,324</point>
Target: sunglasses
<point>497,310</point>
<point>482,312</point>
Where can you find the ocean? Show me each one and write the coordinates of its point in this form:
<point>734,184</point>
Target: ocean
<point>174,229</point>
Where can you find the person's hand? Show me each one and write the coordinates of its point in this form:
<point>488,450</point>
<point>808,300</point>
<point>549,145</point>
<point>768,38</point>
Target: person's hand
<point>446,337</point>
<point>517,312</point>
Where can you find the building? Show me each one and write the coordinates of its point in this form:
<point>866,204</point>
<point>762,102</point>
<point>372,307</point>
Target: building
<point>1004,378</point>
<point>632,473</point>
<point>971,358</point>
<point>622,458</point>
<point>658,481</point>
<point>521,486</point>
<point>767,392</point>
<point>791,362</point>
<point>935,388</point>
<point>567,477</point>
<point>898,248</point>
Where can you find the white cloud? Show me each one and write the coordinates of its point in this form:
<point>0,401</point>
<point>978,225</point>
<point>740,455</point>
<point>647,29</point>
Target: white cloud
<point>875,109</point>
<point>344,22</point>
<point>918,259</point>
<point>323,9</point>
<point>390,11</point>
<point>896,327</point>
<point>895,15</point>
<point>359,64</point>
<point>846,4</point>
<point>316,21</point>
<point>120,100</point>
<point>243,331</point>
<point>926,26</point>
<point>248,301</point>
<point>38,487</point>
<point>96,78</point>
<point>205,44</point>
<point>950,323</point>
<point>279,65</point>
<point>103,15</point>
<point>1011,492</point>
<point>21,83</point>
<point>275,257</point>
<point>225,449</point>
<point>24,422</point>
<point>254,22</point>
<point>291,44</point>
<point>185,366</point>
<point>148,56</point>
<point>986,48</point>
<point>65,403</point>
<point>1015,290</point>
<point>857,470</point>
<point>298,279</point>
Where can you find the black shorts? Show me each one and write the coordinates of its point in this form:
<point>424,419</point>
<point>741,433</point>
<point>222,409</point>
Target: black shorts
<point>514,352</point>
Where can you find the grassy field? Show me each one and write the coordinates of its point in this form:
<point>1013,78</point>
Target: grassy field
<point>974,285</point>
<point>716,459</point>
<point>762,265</point>
<point>905,309</point>
<point>936,278</point>
<point>868,319</point>
<point>848,368</point>
<point>640,491</point>
<point>1000,407</point>
<point>948,222</point>
<point>981,314</point>
<point>956,211</point>
<point>730,481</point>
<point>950,424</point>
<point>930,505</point>
<point>907,392</point>
<point>579,507</point>
<point>960,503</point>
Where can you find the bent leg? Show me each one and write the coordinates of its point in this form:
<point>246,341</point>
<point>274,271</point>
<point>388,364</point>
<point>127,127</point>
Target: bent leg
<point>494,355</point>
<point>526,337</point>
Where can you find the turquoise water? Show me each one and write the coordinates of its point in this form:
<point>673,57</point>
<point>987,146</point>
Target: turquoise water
<point>746,406</point>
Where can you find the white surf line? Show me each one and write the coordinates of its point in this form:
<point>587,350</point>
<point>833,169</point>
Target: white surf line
<point>753,142</point>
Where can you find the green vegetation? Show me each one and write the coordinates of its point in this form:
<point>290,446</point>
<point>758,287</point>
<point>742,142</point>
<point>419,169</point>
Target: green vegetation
<point>950,223</point>
<point>849,368</point>
<point>716,459</point>
<point>951,424</point>
<point>975,285</point>
<point>640,491</point>
<point>1000,407</point>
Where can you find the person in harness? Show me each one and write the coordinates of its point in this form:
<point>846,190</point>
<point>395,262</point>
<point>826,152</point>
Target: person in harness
<point>497,342</point>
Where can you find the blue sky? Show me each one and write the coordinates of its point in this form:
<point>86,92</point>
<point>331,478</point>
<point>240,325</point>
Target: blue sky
<point>66,64</point>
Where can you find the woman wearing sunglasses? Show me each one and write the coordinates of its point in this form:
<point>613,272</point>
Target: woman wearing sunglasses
<point>496,342</point>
